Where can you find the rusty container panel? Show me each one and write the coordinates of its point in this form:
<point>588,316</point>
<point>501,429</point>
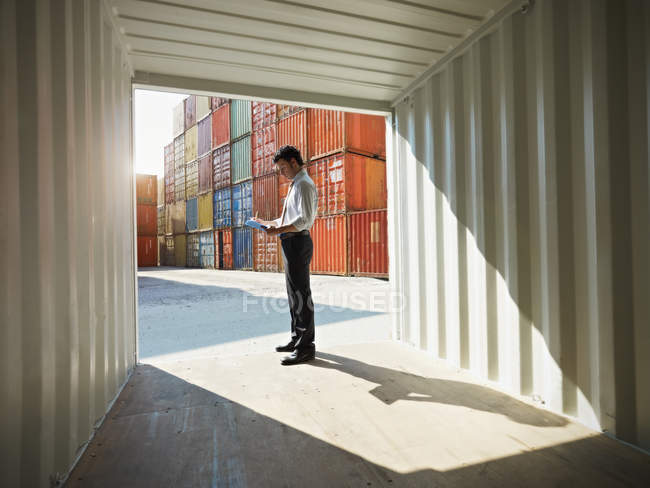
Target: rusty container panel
<point>147,221</point>
<point>206,249</point>
<point>240,160</point>
<point>283,190</point>
<point>318,173</point>
<point>203,107</point>
<point>240,118</point>
<point>283,111</point>
<point>147,251</point>
<point>221,167</point>
<point>179,184</point>
<point>191,143</point>
<point>292,131</point>
<point>263,147</point>
<point>205,173</point>
<point>190,111</point>
<point>217,102</point>
<point>169,258</point>
<point>368,247</point>
<point>331,131</point>
<point>191,215</point>
<point>168,189</point>
<point>191,179</point>
<point>263,114</point>
<point>179,152</point>
<point>329,235</point>
<point>146,192</point>
<point>193,259</point>
<point>221,126</point>
<point>265,197</point>
<point>204,131</point>
<point>265,252</point>
<point>178,217</point>
<point>160,220</point>
<point>178,119</point>
<point>223,249</point>
<point>354,183</point>
<point>168,228</point>
<point>205,211</point>
<point>180,250</point>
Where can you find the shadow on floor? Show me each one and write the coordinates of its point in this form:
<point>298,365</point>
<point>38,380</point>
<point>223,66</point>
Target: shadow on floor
<point>164,431</point>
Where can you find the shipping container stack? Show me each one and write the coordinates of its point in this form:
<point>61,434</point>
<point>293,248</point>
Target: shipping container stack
<point>147,219</point>
<point>221,184</point>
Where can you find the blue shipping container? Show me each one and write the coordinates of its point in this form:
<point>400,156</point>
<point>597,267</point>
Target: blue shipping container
<point>242,203</point>
<point>206,249</point>
<point>222,208</point>
<point>191,215</point>
<point>193,247</point>
<point>242,245</point>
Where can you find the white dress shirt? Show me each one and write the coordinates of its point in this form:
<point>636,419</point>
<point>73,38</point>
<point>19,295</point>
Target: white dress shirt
<point>301,203</point>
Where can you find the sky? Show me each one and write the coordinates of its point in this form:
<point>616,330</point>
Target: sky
<point>153,128</point>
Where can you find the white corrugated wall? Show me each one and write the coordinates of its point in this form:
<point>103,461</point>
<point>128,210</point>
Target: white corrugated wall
<point>67,292</point>
<point>520,190</point>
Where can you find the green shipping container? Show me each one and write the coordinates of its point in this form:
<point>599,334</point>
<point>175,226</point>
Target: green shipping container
<point>240,118</point>
<point>191,179</point>
<point>240,160</point>
<point>180,243</point>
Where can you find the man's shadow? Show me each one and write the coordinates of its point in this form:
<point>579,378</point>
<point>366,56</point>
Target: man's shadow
<point>396,385</point>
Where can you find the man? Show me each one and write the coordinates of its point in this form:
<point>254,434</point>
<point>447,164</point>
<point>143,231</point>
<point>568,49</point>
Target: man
<point>293,226</point>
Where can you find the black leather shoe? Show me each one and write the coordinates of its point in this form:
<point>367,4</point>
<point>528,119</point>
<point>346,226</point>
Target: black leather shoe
<point>286,348</point>
<point>299,357</point>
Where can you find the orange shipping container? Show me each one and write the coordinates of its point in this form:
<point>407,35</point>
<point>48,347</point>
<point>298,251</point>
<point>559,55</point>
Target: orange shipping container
<point>329,235</point>
<point>265,252</point>
<point>354,183</point>
<point>286,110</point>
<point>146,191</point>
<point>331,131</point>
<point>265,197</point>
<point>262,114</point>
<point>318,173</point>
<point>283,189</point>
<point>368,249</point>
<point>147,220</point>
<point>147,251</point>
<point>293,131</point>
<point>223,249</point>
<point>221,126</point>
<point>263,147</point>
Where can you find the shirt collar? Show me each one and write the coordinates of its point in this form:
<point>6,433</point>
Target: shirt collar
<point>299,175</point>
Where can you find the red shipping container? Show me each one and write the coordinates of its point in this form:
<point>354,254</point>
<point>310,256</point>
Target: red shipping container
<point>329,235</point>
<point>265,197</point>
<point>221,167</point>
<point>223,249</point>
<point>331,131</point>
<point>263,147</point>
<point>283,189</point>
<point>354,183</point>
<point>190,111</point>
<point>286,110</point>
<point>146,189</point>
<point>368,249</point>
<point>318,173</point>
<point>147,220</point>
<point>205,173</point>
<point>293,131</point>
<point>147,251</point>
<point>262,114</point>
<point>216,102</point>
<point>221,126</point>
<point>265,252</point>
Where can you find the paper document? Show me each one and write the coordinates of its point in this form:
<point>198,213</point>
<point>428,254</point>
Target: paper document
<point>256,225</point>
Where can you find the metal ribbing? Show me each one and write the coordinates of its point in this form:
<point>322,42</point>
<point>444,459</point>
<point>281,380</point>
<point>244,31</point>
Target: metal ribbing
<point>520,239</point>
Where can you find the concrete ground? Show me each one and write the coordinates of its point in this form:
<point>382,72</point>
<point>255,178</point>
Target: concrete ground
<point>210,405</point>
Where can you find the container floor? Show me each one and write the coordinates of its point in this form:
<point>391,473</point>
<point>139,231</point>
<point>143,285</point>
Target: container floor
<point>363,413</point>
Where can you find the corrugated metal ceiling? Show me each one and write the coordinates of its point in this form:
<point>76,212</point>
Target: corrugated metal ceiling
<point>368,49</point>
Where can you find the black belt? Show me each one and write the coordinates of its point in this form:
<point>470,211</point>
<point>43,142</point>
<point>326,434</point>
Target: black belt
<point>286,235</point>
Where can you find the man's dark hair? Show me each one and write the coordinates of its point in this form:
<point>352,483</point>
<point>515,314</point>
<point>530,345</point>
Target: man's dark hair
<point>288,153</point>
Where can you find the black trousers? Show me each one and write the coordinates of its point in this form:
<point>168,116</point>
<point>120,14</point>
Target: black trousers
<point>296,256</point>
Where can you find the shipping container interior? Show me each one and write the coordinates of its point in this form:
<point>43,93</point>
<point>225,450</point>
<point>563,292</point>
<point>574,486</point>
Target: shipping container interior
<point>508,206</point>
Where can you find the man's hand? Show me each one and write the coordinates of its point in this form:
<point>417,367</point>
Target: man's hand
<point>272,231</point>
<point>266,223</point>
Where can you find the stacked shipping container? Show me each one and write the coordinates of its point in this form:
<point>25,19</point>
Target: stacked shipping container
<point>222,172</point>
<point>147,219</point>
